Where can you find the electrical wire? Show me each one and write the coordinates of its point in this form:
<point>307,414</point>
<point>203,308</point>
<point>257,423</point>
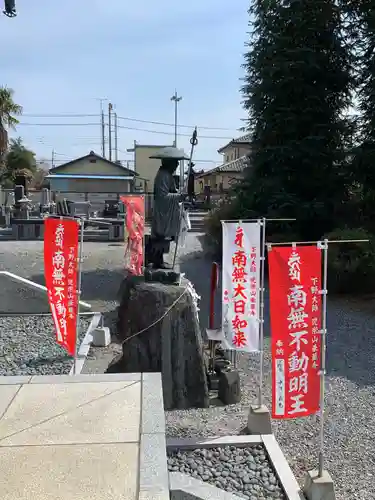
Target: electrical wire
<point>120,127</point>
<point>126,118</point>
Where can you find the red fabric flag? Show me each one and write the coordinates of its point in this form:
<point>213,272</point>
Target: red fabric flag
<point>295,305</point>
<point>60,271</point>
<point>135,229</point>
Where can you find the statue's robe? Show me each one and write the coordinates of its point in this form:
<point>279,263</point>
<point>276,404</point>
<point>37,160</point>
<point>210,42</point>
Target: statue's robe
<point>166,210</point>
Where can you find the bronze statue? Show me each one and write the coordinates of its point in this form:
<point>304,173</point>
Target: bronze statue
<point>166,216</point>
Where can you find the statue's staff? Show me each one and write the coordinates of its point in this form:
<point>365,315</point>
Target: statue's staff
<point>193,142</point>
<point>10,8</point>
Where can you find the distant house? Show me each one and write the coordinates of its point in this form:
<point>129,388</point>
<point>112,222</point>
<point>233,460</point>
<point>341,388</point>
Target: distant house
<point>236,148</point>
<point>223,177</point>
<point>91,174</point>
<point>146,167</point>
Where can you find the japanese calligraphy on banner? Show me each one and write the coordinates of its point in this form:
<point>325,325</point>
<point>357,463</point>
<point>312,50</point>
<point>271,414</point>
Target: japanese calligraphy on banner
<point>241,272</point>
<point>295,304</point>
<point>60,271</point>
<point>134,234</point>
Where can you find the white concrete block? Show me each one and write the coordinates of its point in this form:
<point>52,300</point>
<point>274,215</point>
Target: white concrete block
<point>319,487</point>
<point>101,337</point>
<point>259,420</point>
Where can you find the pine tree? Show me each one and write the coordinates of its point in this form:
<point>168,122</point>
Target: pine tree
<point>363,166</point>
<point>296,90</point>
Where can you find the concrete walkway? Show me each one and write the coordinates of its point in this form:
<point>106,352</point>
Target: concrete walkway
<point>82,437</point>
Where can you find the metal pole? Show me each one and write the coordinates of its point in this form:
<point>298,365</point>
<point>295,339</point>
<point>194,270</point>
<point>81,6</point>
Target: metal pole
<point>176,98</point>
<point>261,311</point>
<point>175,120</point>
<point>291,243</point>
<point>116,138</point>
<point>323,354</point>
<point>79,284</point>
<point>110,131</point>
<point>102,132</point>
<point>193,142</point>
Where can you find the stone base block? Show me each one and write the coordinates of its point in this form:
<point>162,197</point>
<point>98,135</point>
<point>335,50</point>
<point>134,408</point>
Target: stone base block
<point>101,337</point>
<point>229,387</point>
<point>259,420</point>
<point>319,488</point>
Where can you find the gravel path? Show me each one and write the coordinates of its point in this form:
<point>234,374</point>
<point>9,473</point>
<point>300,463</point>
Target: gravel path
<point>28,346</point>
<point>246,472</point>
<point>350,394</point>
<point>101,277</point>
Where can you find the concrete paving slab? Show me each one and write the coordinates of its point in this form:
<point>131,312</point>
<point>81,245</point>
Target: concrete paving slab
<point>73,413</point>
<point>14,380</point>
<point>153,419</point>
<point>85,472</point>
<point>81,438</point>
<point>7,394</point>
<point>84,378</point>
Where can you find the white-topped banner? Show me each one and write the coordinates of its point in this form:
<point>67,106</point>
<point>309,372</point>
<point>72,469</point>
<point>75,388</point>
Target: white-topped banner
<point>241,283</point>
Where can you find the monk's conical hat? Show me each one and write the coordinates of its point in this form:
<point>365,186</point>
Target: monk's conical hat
<point>170,152</point>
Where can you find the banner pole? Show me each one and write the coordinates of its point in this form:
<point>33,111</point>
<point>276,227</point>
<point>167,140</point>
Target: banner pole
<point>79,269</point>
<point>323,355</point>
<point>261,310</point>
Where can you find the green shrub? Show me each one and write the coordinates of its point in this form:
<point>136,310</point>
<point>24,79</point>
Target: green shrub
<point>351,266</point>
<point>213,240</point>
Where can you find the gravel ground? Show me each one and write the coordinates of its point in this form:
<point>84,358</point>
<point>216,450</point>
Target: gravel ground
<point>350,394</point>
<point>28,346</point>
<point>350,383</point>
<point>246,472</point>
<point>101,277</point>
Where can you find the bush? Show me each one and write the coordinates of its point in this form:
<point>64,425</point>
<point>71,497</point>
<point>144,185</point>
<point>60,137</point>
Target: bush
<point>213,232</point>
<point>351,266</point>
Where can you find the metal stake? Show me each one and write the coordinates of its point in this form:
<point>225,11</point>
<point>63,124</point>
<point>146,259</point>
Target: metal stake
<point>79,270</point>
<point>323,354</point>
<point>261,311</point>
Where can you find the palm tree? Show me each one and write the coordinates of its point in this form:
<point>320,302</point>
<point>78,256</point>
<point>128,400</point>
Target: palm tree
<point>8,110</point>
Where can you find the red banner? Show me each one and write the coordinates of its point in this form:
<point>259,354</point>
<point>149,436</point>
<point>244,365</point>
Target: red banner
<point>295,305</point>
<point>60,271</point>
<point>135,230</point>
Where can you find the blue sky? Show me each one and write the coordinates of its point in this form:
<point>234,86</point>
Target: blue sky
<point>61,56</point>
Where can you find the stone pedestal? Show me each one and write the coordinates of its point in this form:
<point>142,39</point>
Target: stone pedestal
<point>259,420</point>
<point>160,332</point>
<point>319,488</point>
<point>116,231</point>
<point>101,337</point>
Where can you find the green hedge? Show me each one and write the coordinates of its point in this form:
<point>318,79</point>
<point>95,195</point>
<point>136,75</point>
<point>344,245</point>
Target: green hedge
<point>351,266</point>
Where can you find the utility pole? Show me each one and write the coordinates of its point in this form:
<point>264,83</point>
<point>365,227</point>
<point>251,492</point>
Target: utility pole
<point>110,107</point>
<point>116,137</point>
<point>176,98</point>
<point>102,126</point>
<point>53,158</point>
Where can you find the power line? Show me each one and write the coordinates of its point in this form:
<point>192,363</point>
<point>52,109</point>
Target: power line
<point>126,118</point>
<point>119,126</point>
<point>171,133</point>
<point>59,124</point>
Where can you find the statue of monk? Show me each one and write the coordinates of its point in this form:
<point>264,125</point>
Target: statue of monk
<point>165,225</point>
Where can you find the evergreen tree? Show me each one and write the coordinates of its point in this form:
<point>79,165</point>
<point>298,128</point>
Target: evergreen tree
<point>19,161</point>
<point>363,166</point>
<point>296,90</point>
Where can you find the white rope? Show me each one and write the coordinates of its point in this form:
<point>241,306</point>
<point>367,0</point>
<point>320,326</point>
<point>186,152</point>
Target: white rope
<point>161,318</point>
